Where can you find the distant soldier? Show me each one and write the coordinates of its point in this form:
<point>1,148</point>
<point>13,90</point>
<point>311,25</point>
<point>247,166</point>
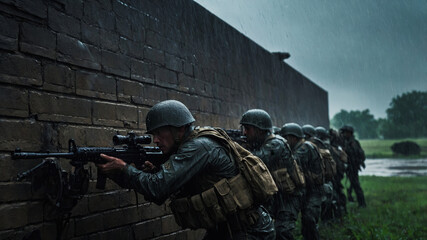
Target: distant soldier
<point>338,153</point>
<point>338,207</point>
<point>311,165</point>
<point>356,160</point>
<point>277,156</point>
<point>310,135</point>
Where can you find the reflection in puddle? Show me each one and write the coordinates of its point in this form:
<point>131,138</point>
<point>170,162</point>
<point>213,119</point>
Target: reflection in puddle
<point>395,167</point>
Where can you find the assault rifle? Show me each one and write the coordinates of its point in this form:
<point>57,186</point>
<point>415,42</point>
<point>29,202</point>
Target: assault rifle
<point>63,188</point>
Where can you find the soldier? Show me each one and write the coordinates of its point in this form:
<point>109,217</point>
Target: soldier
<point>338,207</point>
<point>356,160</point>
<point>311,165</point>
<point>341,160</point>
<point>276,154</point>
<point>310,135</point>
<point>195,167</point>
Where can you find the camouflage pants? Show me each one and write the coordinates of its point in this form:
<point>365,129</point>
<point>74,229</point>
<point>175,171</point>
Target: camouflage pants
<point>310,213</point>
<point>286,218</point>
<point>328,204</point>
<point>353,176</point>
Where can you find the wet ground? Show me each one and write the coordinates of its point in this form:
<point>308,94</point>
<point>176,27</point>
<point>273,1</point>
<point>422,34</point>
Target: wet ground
<point>395,167</point>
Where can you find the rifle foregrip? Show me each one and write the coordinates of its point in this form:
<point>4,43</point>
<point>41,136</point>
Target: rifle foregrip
<point>101,181</point>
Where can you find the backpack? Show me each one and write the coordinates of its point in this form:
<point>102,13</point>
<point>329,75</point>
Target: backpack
<point>253,169</point>
<point>329,166</point>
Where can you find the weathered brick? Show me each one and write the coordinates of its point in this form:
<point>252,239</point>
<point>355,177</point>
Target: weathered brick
<point>9,30</point>
<point>131,48</point>
<point>142,114</point>
<point>186,83</point>
<point>73,8</point>
<point>116,64</point>
<point>38,40</point>
<point>95,85</point>
<point>151,210</point>
<point>181,235</point>
<point>166,78</point>
<point>99,14</point>
<point>173,63</point>
<point>120,217</point>
<point>154,55</point>
<point>148,229</point>
<point>74,51</point>
<point>153,39</point>
<point>124,27</point>
<point>115,115</point>
<point>63,23</point>
<point>20,70</point>
<point>188,69</point>
<point>13,191</point>
<point>85,136</point>
<point>91,34</point>
<point>118,233</point>
<point>153,95</point>
<point>13,215</point>
<point>51,107</point>
<point>130,91</point>
<point>59,78</point>
<point>169,225</point>
<point>142,71</point>
<point>104,201</point>
<point>109,40</point>
<point>196,234</point>
<point>35,7</point>
<point>15,102</point>
<point>89,224</point>
<point>24,134</point>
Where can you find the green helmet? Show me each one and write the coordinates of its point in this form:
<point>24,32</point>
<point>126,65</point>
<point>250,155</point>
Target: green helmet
<point>276,130</point>
<point>347,128</point>
<point>322,133</point>
<point>309,130</point>
<point>168,113</point>
<point>292,129</point>
<point>258,118</point>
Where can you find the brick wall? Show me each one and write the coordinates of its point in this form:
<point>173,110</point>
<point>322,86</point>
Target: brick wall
<point>90,69</point>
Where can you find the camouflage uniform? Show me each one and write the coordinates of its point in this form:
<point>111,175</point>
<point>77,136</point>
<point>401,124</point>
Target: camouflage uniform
<point>328,192</point>
<point>339,196</point>
<point>356,159</point>
<point>195,167</point>
<point>284,208</point>
<point>312,198</point>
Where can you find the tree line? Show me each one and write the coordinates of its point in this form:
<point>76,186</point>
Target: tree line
<point>406,118</point>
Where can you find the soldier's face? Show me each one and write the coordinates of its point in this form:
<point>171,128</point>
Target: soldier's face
<point>250,133</point>
<point>164,139</point>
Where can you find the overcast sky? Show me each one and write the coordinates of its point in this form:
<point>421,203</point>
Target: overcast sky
<point>363,52</point>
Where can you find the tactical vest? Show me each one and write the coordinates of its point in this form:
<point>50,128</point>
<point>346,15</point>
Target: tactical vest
<point>329,166</point>
<point>286,181</point>
<point>229,196</point>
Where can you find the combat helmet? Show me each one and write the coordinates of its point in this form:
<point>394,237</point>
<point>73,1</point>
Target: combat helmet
<point>347,128</point>
<point>258,118</point>
<point>309,130</point>
<point>168,113</point>
<point>292,129</point>
<point>322,133</point>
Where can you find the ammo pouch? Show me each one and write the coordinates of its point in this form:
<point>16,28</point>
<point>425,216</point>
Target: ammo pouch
<point>315,179</point>
<point>298,176</point>
<point>283,180</point>
<point>329,165</point>
<point>212,206</point>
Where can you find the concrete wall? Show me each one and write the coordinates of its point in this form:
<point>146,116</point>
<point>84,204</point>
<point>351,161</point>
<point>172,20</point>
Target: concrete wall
<point>90,69</point>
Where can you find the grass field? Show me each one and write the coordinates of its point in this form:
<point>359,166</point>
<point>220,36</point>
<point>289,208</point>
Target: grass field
<point>396,209</point>
<point>377,148</point>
